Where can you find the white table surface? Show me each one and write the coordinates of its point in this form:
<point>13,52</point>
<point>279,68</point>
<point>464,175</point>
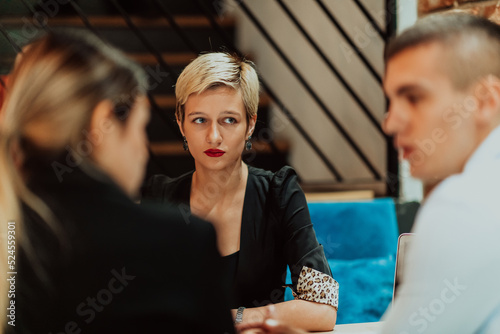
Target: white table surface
<point>361,328</point>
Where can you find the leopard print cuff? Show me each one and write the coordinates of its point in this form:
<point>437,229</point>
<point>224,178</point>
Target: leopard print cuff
<point>318,287</point>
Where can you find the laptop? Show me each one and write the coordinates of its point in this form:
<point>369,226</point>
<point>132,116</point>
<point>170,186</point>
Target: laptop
<point>404,241</point>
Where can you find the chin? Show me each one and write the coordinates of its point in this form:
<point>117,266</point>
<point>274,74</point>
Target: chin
<point>133,192</point>
<point>220,164</point>
<point>132,186</point>
<point>215,168</point>
<point>418,172</point>
<point>428,177</point>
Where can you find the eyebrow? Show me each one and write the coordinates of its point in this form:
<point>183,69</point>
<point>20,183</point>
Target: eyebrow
<point>405,89</point>
<point>226,112</point>
<point>195,113</point>
<point>230,112</point>
<point>410,88</point>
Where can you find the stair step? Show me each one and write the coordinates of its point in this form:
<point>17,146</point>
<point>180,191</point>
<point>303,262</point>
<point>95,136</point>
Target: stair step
<point>163,40</point>
<point>173,59</point>
<point>117,21</point>
<point>99,7</point>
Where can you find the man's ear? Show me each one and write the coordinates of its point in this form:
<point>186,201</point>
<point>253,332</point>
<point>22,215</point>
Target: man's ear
<point>487,92</point>
<point>251,125</point>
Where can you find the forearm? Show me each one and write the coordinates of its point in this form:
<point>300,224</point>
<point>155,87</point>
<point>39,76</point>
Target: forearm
<point>306,315</point>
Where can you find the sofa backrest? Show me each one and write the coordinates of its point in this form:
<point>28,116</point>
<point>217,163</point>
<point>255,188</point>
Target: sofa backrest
<point>355,230</point>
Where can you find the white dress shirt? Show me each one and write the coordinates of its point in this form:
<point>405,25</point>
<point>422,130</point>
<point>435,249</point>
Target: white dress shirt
<point>451,279</point>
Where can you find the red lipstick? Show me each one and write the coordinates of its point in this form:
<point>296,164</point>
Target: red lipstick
<point>214,153</point>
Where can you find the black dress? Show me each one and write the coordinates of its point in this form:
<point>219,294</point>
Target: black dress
<point>276,231</point>
<point>113,266</point>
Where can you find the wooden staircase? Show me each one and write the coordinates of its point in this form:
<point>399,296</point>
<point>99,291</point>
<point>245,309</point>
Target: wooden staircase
<point>107,21</point>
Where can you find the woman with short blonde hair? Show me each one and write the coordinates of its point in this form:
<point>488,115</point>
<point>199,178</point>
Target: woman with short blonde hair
<point>261,218</point>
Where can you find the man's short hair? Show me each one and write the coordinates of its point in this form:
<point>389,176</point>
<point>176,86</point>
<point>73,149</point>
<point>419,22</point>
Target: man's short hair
<point>471,44</point>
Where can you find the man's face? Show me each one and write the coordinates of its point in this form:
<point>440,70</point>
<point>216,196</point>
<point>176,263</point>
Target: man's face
<point>432,122</point>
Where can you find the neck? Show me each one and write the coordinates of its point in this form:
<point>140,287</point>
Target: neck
<point>488,129</point>
<point>220,181</point>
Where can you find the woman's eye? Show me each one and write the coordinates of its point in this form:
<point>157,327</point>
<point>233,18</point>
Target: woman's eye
<point>199,120</point>
<point>229,120</point>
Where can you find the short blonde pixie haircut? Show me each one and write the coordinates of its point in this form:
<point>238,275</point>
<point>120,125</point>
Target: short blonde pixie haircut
<point>216,69</point>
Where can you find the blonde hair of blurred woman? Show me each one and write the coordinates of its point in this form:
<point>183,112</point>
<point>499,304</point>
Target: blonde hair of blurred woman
<point>216,69</point>
<point>51,96</point>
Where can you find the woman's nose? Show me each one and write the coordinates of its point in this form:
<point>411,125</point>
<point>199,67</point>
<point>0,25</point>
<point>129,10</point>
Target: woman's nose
<point>214,135</point>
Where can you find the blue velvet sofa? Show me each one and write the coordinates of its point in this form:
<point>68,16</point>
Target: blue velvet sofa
<point>360,242</point>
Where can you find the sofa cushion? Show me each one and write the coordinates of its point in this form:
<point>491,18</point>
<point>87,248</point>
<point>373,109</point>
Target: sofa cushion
<point>365,288</point>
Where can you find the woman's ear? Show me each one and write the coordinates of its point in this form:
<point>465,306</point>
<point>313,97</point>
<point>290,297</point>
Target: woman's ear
<point>102,120</point>
<point>251,125</point>
<point>181,128</point>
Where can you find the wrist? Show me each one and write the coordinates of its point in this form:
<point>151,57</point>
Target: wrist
<point>239,315</point>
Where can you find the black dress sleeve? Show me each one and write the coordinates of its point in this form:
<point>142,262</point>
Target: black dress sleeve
<point>311,276</point>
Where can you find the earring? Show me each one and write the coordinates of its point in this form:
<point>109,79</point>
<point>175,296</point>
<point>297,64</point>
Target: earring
<point>185,144</point>
<point>248,144</point>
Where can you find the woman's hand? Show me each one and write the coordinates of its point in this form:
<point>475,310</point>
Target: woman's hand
<point>267,325</point>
